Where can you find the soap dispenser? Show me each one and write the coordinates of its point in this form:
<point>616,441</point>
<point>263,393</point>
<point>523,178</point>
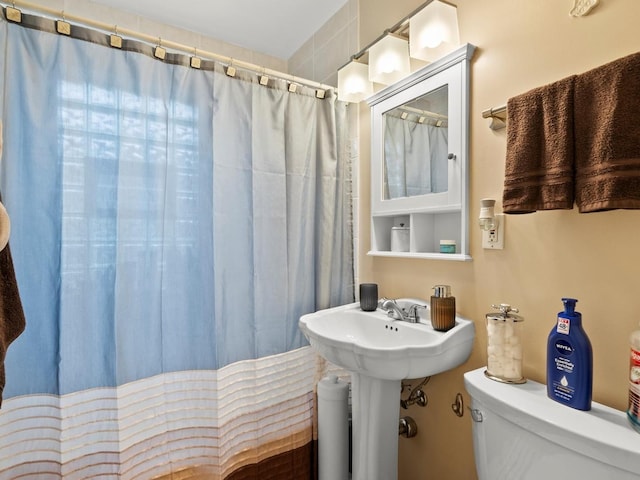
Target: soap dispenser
<point>443,308</point>
<point>569,360</point>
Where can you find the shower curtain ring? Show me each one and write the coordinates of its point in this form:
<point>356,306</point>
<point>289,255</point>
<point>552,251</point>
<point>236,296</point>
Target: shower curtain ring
<point>293,86</point>
<point>263,79</point>
<point>195,61</point>
<point>115,40</point>
<point>231,70</point>
<point>62,27</point>
<point>159,52</point>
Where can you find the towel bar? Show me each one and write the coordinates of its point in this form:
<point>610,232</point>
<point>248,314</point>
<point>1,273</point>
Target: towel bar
<point>498,117</point>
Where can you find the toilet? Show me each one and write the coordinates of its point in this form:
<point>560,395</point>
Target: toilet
<point>521,434</point>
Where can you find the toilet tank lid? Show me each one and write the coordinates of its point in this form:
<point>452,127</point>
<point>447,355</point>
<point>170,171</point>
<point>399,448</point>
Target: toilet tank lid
<point>602,433</point>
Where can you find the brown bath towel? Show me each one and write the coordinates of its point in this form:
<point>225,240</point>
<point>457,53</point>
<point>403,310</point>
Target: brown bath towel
<point>607,136</point>
<point>12,322</point>
<point>539,169</point>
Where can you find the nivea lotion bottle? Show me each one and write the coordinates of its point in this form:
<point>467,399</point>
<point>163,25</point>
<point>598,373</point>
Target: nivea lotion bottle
<point>569,360</point>
<point>633,412</point>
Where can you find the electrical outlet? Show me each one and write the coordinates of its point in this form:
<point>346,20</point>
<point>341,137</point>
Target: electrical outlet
<point>494,239</point>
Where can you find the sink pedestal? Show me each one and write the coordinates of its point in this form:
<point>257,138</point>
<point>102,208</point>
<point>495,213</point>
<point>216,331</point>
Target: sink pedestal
<point>375,405</point>
<point>379,352</point>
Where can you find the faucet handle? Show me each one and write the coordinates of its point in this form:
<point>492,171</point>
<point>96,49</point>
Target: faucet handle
<point>384,300</point>
<point>413,314</point>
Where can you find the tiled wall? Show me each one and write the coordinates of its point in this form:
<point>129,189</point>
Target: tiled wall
<point>101,13</point>
<point>319,59</point>
<point>329,48</point>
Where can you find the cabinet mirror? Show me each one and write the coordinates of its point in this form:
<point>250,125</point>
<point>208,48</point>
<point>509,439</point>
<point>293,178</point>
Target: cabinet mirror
<point>416,146</point>
<point>419,158</point>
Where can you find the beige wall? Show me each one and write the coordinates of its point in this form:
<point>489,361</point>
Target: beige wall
<point>594,257</point>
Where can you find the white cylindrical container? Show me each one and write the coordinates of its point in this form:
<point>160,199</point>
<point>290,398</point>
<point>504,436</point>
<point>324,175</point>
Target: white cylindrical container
<point>333,429</point>
<point>400,239</point>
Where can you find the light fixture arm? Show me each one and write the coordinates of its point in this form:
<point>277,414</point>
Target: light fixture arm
<point>428,33</point>
<point>394,29</point>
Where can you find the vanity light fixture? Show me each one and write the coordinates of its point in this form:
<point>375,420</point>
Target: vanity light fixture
<point>353,82</point>
<point>427,33</point>
<point>389,59</point>
<point>434,31</point>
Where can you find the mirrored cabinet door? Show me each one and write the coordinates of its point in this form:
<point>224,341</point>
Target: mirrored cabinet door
<point>416,147</point>
<point>419,174</point>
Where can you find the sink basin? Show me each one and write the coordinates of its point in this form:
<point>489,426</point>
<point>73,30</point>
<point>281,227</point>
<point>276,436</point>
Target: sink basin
<point>372,344</point>
<point>380,352</point>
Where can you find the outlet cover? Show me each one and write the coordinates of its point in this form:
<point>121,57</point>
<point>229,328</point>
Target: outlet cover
<point>494,239</point>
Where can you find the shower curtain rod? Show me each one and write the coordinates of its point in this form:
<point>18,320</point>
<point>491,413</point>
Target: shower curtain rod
<point>114,29</point>
<point>425,113</point>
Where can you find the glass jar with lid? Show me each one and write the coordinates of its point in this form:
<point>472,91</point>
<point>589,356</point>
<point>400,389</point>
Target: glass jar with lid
<point>504,345</point>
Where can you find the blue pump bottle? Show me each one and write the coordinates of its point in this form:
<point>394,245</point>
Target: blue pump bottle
<point>570,360</point>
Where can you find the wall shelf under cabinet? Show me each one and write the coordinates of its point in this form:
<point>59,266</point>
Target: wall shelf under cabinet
<point>422,255</point>
<point>426,229</point>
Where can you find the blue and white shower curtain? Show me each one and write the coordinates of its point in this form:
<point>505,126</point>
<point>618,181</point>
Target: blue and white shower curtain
<point>169,227</point>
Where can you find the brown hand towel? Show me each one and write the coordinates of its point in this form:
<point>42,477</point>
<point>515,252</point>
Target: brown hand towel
<point>12,322</point>
<point>539,169</point>
<point>607,136</point>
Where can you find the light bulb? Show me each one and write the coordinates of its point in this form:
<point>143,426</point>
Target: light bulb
<point>389,60</point>
<point>434,31</point>
<point>432,38</point>
<point>353,82</point>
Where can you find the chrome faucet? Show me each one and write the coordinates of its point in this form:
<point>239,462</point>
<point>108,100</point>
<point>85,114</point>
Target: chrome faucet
<point>396,313</point>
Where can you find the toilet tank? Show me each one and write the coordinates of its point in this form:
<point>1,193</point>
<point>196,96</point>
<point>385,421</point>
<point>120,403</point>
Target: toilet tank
<point>521,434</point>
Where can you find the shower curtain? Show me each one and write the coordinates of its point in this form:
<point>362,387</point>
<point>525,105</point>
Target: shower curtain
<point>169,227</point>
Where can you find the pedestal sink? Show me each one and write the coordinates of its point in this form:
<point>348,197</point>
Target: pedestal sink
<point>380,352</point>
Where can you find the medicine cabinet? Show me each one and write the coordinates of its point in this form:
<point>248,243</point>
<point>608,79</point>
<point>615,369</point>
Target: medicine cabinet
<point>419,161</point>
